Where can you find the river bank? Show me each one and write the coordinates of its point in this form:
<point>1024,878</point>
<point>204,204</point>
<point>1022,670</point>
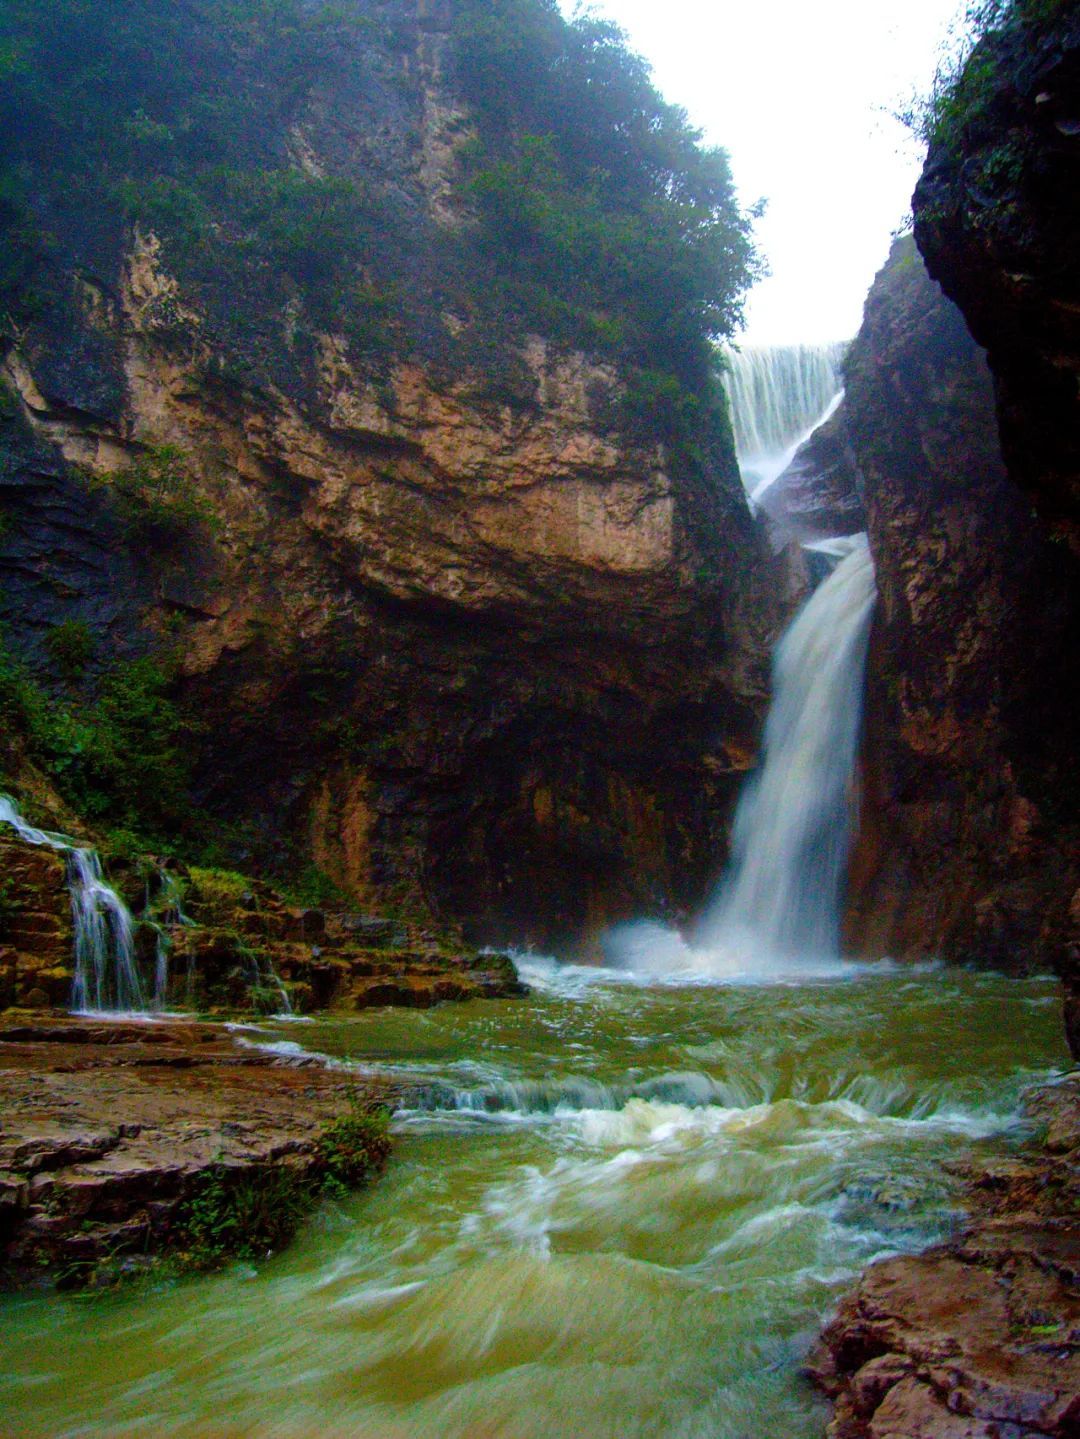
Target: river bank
<point>978,1338</point>
<point>113,1129</point>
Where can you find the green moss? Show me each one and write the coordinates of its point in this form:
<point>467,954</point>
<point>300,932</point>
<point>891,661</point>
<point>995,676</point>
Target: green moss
<point>219,888</point>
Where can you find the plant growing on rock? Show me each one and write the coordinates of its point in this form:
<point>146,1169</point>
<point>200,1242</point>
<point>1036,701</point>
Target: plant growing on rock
<point>157,496</point>
<point>248,1213</point>
<point>71,646</point>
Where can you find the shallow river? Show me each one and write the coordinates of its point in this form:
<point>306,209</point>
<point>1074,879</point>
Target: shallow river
<point>628,1218</point>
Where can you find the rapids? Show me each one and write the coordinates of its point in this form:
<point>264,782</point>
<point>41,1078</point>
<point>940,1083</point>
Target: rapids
<point>617,1208</point>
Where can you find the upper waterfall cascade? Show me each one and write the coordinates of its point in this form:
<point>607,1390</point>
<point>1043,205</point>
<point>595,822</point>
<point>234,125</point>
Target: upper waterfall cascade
<point>779,395</point>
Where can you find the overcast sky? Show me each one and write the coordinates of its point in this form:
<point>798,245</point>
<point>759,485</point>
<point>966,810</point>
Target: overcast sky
<point>799,94</point>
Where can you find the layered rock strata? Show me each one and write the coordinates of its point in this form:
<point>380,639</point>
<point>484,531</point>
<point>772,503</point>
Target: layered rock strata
<point>449,624</point>
<point>109,1130</point>
<point>233,945</point>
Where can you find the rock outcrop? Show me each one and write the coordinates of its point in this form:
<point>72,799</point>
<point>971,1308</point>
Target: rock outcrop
<point>212,941</point>
<point>817,497</point>
<point>997,217</point>
<point>980,1338</point>
<point>111,1130</point>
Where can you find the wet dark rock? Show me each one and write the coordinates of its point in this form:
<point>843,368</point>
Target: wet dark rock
<point>817,496</point>
<point>968,837</point>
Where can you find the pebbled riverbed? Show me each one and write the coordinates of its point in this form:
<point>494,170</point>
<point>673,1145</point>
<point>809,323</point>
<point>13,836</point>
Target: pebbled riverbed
<point>615,1209</point>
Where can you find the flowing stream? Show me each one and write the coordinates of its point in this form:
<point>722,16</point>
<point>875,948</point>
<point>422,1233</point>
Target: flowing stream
<point>616,1208</point>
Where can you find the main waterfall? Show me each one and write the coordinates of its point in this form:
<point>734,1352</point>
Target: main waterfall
<point>779,395</point>
<point>781,895</point>
<point>777,907</point>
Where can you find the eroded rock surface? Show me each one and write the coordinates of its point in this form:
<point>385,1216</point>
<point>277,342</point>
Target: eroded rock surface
<point>454,629</point>
<point>233,944</point>
<point>968,847</point>
<point>980,1338</point>
<point>107,1128</point>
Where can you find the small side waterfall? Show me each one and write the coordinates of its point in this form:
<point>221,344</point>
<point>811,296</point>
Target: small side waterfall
<point>106,975</point>
<point>779,395</point>
<point>792,834</point>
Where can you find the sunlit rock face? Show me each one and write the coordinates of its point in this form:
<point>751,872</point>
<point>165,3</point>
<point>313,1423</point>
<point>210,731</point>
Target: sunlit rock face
<point>456,634</point>
<point>965,849</point>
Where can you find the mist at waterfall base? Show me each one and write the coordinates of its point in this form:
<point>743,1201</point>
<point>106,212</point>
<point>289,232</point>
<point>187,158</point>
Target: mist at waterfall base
<point>776,912</point>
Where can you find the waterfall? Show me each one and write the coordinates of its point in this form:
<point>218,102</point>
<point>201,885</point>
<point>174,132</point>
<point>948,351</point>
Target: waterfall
<point>779,396</point>
<point>793,826</point>
<point>777,907</point>
<point>106,975</point>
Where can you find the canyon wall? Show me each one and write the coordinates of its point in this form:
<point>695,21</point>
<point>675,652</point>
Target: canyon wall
<point>445,617</point>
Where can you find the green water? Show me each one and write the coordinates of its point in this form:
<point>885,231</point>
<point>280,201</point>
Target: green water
<point>634,1231</point>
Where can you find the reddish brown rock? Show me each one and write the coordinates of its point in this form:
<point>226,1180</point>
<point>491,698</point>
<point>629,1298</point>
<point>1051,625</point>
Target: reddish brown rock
<point>107,1129</point>
<point>980,1338</point>
<point>968,847</point>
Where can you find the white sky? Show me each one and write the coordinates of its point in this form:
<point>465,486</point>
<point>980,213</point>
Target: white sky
<point>798,93</point>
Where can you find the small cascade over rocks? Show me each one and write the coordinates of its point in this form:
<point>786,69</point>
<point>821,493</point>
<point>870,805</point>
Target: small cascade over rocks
<point>106,974</point>
<point>779,395</point>
<point>776,912</point>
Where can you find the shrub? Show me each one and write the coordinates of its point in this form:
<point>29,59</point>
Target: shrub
<point>121,758</point>
<point>157,496</point>
<point>71,646</point>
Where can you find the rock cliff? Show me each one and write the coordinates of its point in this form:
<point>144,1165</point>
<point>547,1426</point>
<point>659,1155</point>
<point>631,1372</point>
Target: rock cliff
<point>998,220</point>
<point>448,617</point>
<point>967,847</point>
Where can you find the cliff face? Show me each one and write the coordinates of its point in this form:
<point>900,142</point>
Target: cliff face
<point>970,838</point>
<point>444,623</point>
<point>997,215</point>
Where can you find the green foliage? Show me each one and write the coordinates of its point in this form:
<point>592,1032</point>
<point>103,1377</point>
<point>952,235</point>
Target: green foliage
<point>120,757</point>
<point>317,890</point>
<point>963,86</point>
<point>606,223</point>
<point>354,1147</point>
<point>163,112</point>
<point>157,497</point>
<point>242,1217</point>
<point>71,646</point>
<point>249,1213</point>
